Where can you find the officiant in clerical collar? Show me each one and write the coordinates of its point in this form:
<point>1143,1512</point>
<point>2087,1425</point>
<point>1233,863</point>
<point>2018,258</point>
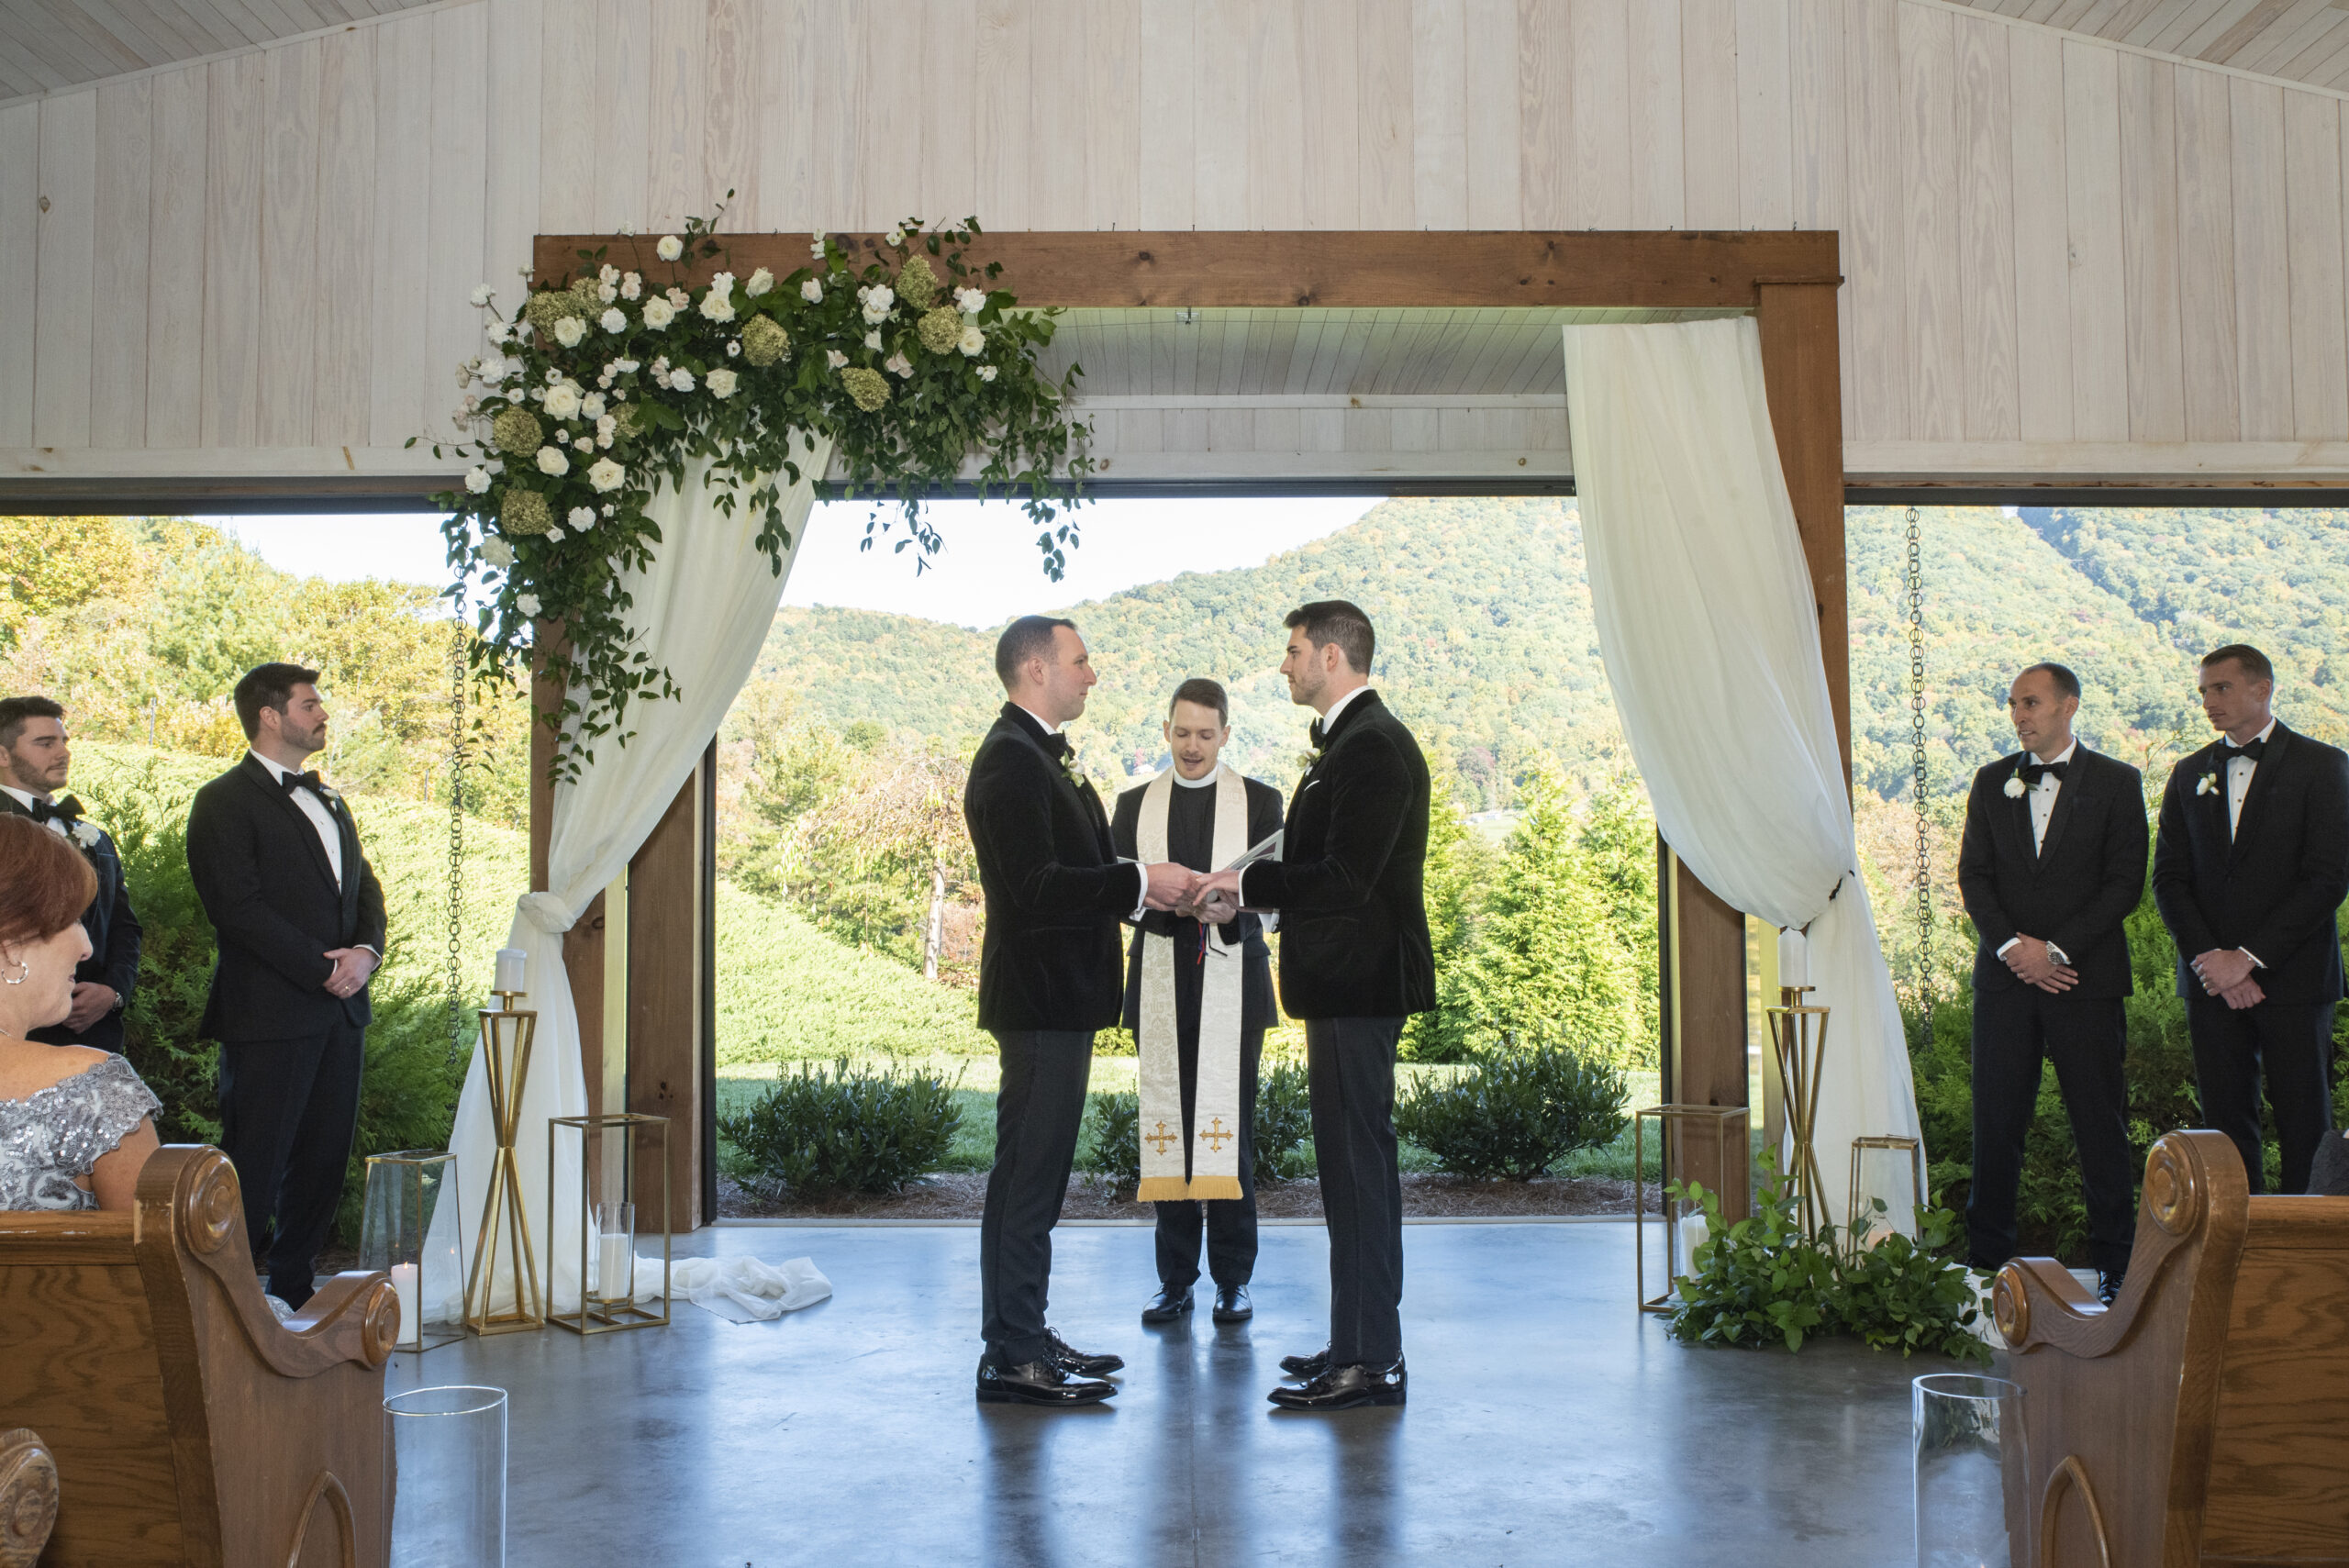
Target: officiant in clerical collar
<point>1199,999</point>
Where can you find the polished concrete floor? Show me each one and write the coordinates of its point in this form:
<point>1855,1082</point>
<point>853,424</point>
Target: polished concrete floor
<point>1548,1423</point>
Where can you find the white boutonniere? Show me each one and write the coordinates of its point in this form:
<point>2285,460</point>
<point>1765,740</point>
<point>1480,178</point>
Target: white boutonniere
<point>86,834</point>
<point>2016,788</point>
<point>2207,784</point>
<point>1069,768</point>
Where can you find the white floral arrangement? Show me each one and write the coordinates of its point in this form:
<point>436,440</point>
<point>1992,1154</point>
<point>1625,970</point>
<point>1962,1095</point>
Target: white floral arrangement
<point>2208,784</point>
<point>87,833</point>
<point>605,384</point>
<point>2016,788</point>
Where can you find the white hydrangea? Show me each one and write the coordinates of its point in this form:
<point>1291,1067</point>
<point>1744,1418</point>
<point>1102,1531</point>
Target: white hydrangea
<point>762,281</point>
<point>592,405</point>
<point>970,302</point>
<point>986,373</point>
<point>562,402</point>
<point>718,305</point>
<point>898,365</point>
<point>581,519</point>
<point>878,300</point>
<point>477,479</point>
<point>721,382</point>
<point>497,552</point>
<point>681,379</point>
<point>812,291</point>
<point>553,461</point>
<point>834,358</point>
<point>482,294</point>
<point>631,285</point>
<point>973,343</point>
<point>528,603</point>
<point>658,313</point>
<point>670,248</point>
<point>569,330</point>
<point>605,474</point>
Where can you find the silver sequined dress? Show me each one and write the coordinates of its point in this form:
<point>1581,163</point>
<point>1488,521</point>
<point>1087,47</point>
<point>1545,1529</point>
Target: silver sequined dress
<point>53,1135</point>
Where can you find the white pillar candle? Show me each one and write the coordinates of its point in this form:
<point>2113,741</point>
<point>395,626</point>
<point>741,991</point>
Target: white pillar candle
<point>1794,958</point>
<point>615,1266</point>
<point>510,968</point>
<point>411,1314</point>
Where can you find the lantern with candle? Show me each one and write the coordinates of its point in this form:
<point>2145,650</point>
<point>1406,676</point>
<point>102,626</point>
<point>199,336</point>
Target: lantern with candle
<point>612,1161</point>
<point>408,1230</point>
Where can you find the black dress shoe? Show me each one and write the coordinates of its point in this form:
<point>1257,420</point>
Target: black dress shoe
<point>1231,1305</point>
<point>1037,1383</point>
<point>1167,1306</point>
<point>1313,1365</point>
<point>2107,1286</point>
<point>1344,1388</point>
<point>1068,1358</point>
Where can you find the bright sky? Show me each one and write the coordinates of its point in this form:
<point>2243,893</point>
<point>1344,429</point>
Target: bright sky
<point>989,572</point>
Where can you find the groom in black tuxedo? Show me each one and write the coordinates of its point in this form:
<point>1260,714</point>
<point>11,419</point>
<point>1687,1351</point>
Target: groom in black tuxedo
<point>299,918</point>
<point>2052,862</point>
<point>2251,862</point>
<point>1049,979</point>
<point>35,761</point>
<point>1355,961</point>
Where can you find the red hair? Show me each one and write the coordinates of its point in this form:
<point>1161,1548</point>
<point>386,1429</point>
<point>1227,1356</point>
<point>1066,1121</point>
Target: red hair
<point>44,882</point>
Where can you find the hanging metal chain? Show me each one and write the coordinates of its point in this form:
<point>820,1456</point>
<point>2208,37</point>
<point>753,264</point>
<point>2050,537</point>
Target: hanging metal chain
<point>456,843</point>
<point>1919,774</point>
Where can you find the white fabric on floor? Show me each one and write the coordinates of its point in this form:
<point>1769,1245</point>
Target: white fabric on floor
<point>1709,633</point>
<point>744,1290</point>
<point>702,609</point>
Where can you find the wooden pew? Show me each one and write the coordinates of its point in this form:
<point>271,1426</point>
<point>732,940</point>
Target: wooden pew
<point>189,1426</point>
<point>27,1498</point>
<point>2203,1418</point>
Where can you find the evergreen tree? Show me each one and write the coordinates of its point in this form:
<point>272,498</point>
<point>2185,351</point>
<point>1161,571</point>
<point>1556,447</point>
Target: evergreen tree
<point>1459,864</point>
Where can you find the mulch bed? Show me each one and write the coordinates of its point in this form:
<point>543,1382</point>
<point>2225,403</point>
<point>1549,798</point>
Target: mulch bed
<point>960,1194</point>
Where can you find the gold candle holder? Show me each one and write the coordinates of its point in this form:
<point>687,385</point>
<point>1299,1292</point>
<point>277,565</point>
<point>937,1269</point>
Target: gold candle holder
<point>1913,1147</point>
<point>1724,1122</point>
<point>1799,1040</point>
<point>506,1035</point>
<point>603,1310</point>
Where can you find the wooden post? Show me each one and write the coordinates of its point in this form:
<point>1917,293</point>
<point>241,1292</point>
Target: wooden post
<point>667,943</point>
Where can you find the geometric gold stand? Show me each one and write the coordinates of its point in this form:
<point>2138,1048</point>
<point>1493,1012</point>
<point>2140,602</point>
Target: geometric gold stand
<point>600,1311</point>
<point>506,1035</point>
<point>1727,1125</point>
<point>1799,1040</point>
<point>1853,1231</point>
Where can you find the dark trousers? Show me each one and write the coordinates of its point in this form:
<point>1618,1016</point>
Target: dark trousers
<point>1349,1075</point>
<point>2087,1038</point>
<point>1230,1223</point>
<point>1037,1114</point>
<point>2291,1043</point>
<point>289,1109</point>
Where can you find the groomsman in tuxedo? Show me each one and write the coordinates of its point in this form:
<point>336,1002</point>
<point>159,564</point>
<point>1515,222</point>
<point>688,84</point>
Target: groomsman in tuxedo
<point>35,761</point>
<point>1055,896</point>
<point>1198,723</point>
<point>1355,961</point>
<point>299,918</point>
<point>2252,862</point>
<point>2052,862</point>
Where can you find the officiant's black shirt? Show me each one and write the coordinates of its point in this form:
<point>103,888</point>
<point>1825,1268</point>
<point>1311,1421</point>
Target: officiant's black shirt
<point>1190,840</point>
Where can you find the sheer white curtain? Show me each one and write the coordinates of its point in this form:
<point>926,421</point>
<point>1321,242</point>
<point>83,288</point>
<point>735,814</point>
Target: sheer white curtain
<point>702,609</point>
<point>1711,636</point>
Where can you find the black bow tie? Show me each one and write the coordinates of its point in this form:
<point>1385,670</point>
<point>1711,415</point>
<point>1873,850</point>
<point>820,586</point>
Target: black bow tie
<point>68,809</point>
<point>2254,749</point>
<point>1057,744</point>
<point>311,782</point>
<point>2035,772</point>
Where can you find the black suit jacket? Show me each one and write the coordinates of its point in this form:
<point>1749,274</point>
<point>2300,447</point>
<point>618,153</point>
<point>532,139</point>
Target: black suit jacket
<point>2274,886</point>
<point>1349,884</point>
<point>115,936</point>
<point>2074,889</point>
<point>1055,892</point>
<point>266,883</point>
<point>1245,932</point>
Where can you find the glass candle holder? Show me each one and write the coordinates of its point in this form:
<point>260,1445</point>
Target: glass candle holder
<point>616,1251</point>
<point>446,1480</point>
<point>408,1230</point>
<point>1973,1467</point>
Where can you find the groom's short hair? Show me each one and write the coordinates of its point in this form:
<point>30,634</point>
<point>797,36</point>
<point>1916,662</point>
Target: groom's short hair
<point>2067,684</point>
<point>14,711</point>
<point>268,685</point>
<point>1206,694</point>
<point>1325,621</point>
<point>1029,637</point>
<point>2254,663</point>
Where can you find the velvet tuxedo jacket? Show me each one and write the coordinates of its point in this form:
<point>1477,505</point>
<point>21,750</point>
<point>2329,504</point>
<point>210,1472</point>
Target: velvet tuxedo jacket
<point>115,936</point>
<point>1055,891</point>
<point>2074,889</point>
<point>264,877</point>
<point>2273,885</point>
<point>1257,1010</point>
<point>1350,882</point>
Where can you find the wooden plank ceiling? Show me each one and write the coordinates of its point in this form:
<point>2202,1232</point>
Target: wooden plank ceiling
<point>49,44</point>
<point>2295,40</point>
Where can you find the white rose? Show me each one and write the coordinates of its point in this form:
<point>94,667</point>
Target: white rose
<point>582,517</point>
<point>477,480</point>
<point>670,248</point>
<point>569,330</point>
<point>716,305</point>
<point>761,282</point>
<point>973,343</point>
<point>607,292</point>
<point>986,373</point>
<point>483,293</point>
<point>608,273</point>
<point>592,405</point>
<point>562,402</point>
<point>584,444</point>
<point>613,320</point>
<point>873,341</point>
<point>528,603</point>
<point>681,379</point>
<point>834,358</point>
<point>555,536</point>
<point>897,365</point>
<point>734,349</point>
<point>631,285</point>
<point>497,333</point>
<point>551,461</point>
<point>817,250</point>
<point>812,291</point>
<point>604,440</point>
<point>878,299</point>
<point>896,236</point>
<point>625,367</point>
<point>606,423</point>
<point>492,370</point>
<point>721,382</point>
<point>970,302</point>
<point>605,474</point>
<point>679,297</point>
<point>497,552</point>
<point>86,835</point>
<point>2015,790</point>
<point>553,375</point>
<point>658,313</point>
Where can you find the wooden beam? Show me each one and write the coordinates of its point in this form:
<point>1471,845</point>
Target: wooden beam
<point>1800,370</point>
<point>665,1003</point>
<point>1706,1066</point>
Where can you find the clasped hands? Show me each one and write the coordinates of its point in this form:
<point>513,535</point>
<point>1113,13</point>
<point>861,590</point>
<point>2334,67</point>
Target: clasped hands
<point>2034,965</point>
<point>352,966</point>
<point>2225,973</point>
<point>1213,897</point>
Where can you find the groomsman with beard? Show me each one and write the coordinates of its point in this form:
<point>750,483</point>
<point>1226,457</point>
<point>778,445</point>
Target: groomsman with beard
<point>1355,961</point>
<point>35,761</point>
<point>1049,976</point>
<point>299,918</point>
<point>2252,862</point>
<point>2052,862</point>
<point>1199,999</point>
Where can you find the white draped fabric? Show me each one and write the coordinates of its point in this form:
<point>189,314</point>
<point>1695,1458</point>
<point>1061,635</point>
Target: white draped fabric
<point>702,609</point>
<point>1709,632</point>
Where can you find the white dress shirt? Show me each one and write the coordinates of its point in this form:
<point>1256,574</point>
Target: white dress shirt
<point>26,799</point>
<point>2042,810</point>
<point>329,833</point>
<point>2238,772</point>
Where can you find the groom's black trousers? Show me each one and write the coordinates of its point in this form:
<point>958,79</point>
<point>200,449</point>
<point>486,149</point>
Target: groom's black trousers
<point>1037,1114</point>
<point>289,1109</point>
<point>1349,1075</point>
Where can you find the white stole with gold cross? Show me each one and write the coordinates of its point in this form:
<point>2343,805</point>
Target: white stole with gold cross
<point>1213,1136</point>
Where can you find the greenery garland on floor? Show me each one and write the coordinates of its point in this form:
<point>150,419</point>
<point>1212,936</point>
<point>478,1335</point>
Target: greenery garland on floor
<point>609,384</point>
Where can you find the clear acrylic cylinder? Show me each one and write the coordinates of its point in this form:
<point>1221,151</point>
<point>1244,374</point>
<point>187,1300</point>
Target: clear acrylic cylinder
<point>446,1481</point>
<point>408,1230</point>
<point>1972,1474</point>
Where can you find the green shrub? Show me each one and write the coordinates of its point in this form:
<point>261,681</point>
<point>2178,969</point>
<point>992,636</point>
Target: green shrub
<point>1515,1112</point>
<point>822,1129</point>
<point>1116,1137</point>
<point>1284,1120</point>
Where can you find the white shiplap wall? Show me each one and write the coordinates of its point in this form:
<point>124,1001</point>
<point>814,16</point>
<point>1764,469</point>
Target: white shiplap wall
<point>2063,255</point>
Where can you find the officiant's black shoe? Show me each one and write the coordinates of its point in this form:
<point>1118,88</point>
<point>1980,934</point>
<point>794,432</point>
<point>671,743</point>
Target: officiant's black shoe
<point>1037,1383</point>
<point>1167,1306</point>
<point>1069,1359</point>
<point>1309,1366</point>
<point>1231,1305</point>
<point>1344,1388</point>
<point>2108,1285</point>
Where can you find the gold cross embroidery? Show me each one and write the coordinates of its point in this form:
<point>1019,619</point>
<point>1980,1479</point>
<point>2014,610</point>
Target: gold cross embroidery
<point>1215,1137</point>
<point>1162,1138</point>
